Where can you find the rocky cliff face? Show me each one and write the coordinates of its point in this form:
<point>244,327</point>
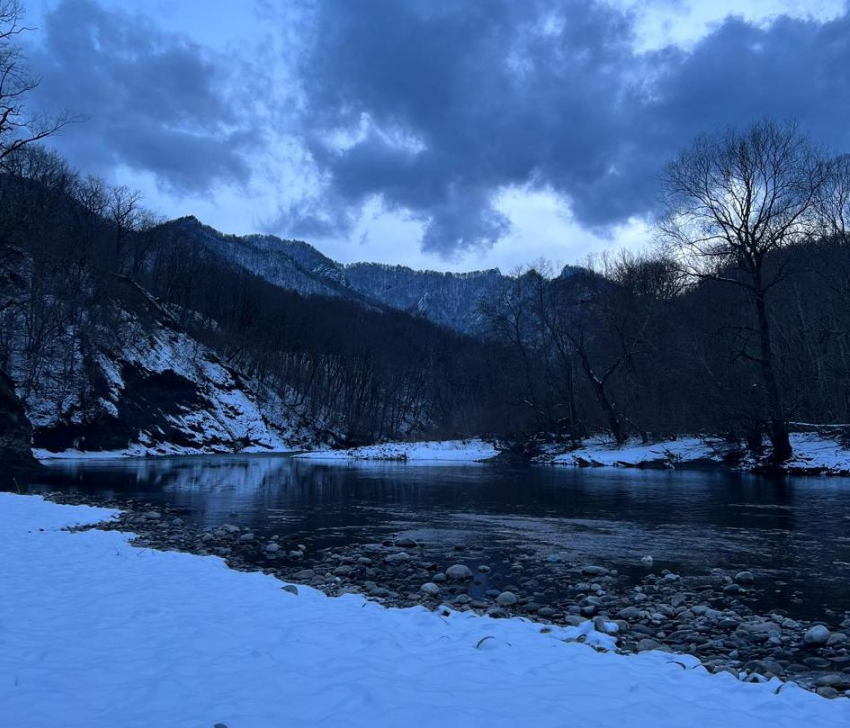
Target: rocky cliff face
<point>452,300</point>
<point>122,375</point>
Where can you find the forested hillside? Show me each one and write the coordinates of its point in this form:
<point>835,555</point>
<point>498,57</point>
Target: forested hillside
<point>122,332</point>
<point>119,332</point>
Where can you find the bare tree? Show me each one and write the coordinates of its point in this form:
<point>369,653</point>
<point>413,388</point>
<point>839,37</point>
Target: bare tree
<point>833,204</point>
<point>18,127</point>
<point>733,200</point>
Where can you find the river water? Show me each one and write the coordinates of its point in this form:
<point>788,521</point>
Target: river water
<point>793,533</point>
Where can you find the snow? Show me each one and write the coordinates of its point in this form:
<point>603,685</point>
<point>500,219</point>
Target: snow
<point>451,451</point>
<point>811,451</point>
<point>816,451</point>
<point>600,452</point>
<point>95,633</point>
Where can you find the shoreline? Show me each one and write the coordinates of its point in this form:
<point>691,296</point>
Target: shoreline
<point>102,633</point>
<point>705,616</point>
<point>815,455</point>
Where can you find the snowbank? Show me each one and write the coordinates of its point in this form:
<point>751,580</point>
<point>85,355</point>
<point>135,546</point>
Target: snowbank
<point>440,451</point>
<point>161,450</point>
<point>598,451</point>
<point>97,634</point>
<point>811,452</point>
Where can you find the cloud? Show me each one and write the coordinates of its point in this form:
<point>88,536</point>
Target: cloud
<point>152,100</point>
<point>549,94</point>
<point>429,109</point>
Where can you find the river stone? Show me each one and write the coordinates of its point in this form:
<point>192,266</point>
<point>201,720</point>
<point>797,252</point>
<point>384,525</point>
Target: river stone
<point>247,537</point>
<point>459,572</point>
<point>438,578</point>
<point>745,577</point>
<point>272,547</point>
<point>816,663</point>
<point>833,681</point>
<point>816,636</point>
<point>647,644</point>
<point>305,574</point>
<point>506,599</point>
<point>400,556</point>
<point>484,569</point>
<point>291,588</point>
<point>342,570</point>
<point>629,613</point>
<point>405,542</point>
<point>828,692</point>
<point>207,537</point>
<point>836,638</point>
<point>153,515</point>
<point>591,570</point>
<point>430,588</point>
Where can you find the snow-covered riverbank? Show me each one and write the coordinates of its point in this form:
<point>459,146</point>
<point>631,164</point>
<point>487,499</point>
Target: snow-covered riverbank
<point>435,451</point>
<point>96,633</point>
<point>812,452</point>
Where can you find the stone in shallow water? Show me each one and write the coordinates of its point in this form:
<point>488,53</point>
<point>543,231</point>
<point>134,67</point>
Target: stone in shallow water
<point>592,570</point>
<point>430,588</point>
<point>459,572</point>
<point>745,577</point>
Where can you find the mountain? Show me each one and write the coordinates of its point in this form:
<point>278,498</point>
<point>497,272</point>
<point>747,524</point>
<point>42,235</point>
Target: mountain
<point>451,300</point>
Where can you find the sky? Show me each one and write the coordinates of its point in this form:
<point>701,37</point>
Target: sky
<point>441,134</point>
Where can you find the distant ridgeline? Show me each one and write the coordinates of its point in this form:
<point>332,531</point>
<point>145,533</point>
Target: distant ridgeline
<point>452,300</point>
<point>119,333</point>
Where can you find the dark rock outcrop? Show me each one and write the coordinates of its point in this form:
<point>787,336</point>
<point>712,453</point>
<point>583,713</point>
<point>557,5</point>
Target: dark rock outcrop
<point>15,434</point>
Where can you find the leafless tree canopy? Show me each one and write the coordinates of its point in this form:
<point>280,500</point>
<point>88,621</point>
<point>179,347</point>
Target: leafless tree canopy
<point>18,127</point>
<point>734,198</point>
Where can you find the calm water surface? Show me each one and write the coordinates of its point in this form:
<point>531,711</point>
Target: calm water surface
<point>794,533</point>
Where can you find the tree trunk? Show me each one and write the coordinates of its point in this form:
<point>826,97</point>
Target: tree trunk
<point>777,425</point>
<point>615,424</point>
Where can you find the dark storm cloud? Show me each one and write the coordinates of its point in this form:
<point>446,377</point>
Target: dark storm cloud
<point>541,93</point>
<point>153,101</point>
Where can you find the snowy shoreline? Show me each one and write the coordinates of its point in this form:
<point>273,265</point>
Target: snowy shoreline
<point>814,454</point>
<point>433,451</point>
<point>96,632</point>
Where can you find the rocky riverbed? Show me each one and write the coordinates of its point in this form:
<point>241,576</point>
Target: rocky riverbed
<point>708,615</point>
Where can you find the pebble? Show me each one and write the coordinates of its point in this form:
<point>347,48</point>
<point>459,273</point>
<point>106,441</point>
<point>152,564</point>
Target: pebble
<point>828,692</point>
<point>647,644</point>
<point>291,588</point>
<point>459,572</point>
<point>430,588</point>
<point>816,636</point>
<point>745,577</point>
<point>506,599</point>
<point>591,570</point>
<point>400,556</point>
<point>272,547</point>
<point>405,543</point>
